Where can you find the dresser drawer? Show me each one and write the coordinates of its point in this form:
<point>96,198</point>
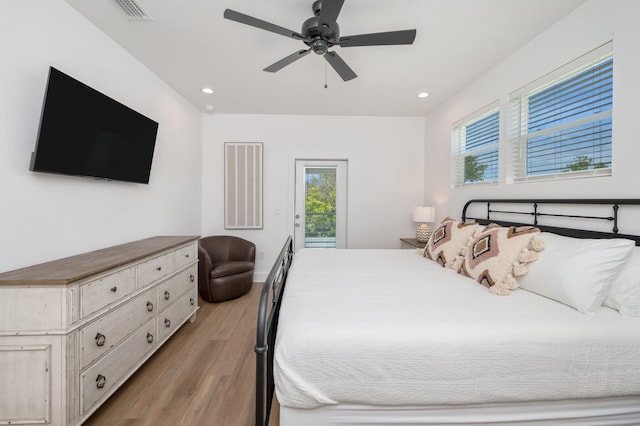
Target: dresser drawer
<point>176,314</point>
<point>185,255</point>
<point>155,268</point>
<point>174,287</point>
<point>98,379</point>
<point>104,291</point>
<point>99,337</point>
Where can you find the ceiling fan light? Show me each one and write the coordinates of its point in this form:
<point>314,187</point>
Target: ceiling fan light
<point>319,47</point>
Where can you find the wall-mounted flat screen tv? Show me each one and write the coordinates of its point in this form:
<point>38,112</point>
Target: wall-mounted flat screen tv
<point>86,133</point>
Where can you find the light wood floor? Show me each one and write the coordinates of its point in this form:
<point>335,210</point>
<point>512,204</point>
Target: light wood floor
<point>204,374</point>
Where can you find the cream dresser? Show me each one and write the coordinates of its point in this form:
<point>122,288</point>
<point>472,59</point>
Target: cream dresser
<point>73,330</point>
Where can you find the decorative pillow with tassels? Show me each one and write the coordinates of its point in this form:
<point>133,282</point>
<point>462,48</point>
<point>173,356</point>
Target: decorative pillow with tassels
<point>497,255</point>
<point>446,242</point>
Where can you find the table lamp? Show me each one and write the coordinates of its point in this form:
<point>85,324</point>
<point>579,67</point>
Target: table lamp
<point>423,215</point>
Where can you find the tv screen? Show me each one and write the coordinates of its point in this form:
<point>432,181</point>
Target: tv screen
<point>86,133</point>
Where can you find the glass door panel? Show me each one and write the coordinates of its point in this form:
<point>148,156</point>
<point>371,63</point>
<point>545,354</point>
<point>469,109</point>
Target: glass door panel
<point>320,204</point>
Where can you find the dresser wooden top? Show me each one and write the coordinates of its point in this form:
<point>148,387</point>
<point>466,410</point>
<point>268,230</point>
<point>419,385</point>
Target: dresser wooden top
<point>74,268</point>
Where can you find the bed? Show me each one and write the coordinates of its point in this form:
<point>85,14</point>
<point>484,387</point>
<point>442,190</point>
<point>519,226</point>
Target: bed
<point>387,337</point>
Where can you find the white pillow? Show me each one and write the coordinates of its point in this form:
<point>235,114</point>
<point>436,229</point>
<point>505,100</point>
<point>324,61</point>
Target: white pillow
<point>577,272</point>
<point>624,294</point>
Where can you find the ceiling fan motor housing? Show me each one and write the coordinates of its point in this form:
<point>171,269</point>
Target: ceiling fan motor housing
<point>322,37</point>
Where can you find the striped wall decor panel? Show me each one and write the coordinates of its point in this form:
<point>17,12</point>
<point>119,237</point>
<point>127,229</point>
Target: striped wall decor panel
<point>243,185</point>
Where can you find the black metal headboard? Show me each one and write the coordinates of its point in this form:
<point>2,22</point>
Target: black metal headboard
<point>535,210</point>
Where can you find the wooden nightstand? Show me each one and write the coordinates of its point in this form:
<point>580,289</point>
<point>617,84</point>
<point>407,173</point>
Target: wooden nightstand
<point>411,243</point>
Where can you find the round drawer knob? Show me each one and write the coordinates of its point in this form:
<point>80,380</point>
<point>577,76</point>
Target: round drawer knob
<point>159,268</point>
<point>149,338</point>
<point>192,278</point>
<point>100,339</point>
<point>149,306</point>
<point>101,381</point>
<point>193,302</point>
<point>167,295</point>
<point>167,322</point>
<point>114,289</point>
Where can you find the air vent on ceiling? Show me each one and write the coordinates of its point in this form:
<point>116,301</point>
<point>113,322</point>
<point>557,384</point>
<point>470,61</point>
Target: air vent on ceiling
<point>133,9</point>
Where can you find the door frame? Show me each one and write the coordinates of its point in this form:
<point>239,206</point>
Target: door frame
<point>342,171</point>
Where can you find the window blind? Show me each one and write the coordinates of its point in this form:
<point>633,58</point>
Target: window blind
<point>474,142</point>
<point>563,127</point>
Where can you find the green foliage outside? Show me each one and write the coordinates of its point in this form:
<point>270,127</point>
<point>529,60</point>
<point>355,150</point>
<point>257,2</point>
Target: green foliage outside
<point>473,171</point>
<point>583,162</point>
<point>320,205</point>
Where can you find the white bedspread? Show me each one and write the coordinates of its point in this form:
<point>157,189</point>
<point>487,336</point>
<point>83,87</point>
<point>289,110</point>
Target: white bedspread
<point>388,327</point>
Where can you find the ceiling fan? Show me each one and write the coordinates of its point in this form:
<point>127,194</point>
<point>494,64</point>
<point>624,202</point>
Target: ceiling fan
<point>320,33</point>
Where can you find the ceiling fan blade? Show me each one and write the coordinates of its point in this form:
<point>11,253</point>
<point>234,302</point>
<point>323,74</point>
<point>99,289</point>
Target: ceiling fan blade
<point>263,25</point>
<point>286,61</point>
<point>329,12</point>
<point>379,39</point>
<point>340,66</point>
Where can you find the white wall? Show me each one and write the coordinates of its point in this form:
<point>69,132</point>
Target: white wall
<point>45,217</point>
<point>592,24</point>
<point>385,176</point>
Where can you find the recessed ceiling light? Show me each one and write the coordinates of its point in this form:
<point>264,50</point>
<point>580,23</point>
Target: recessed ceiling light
<point>209,108</point>
<point>422,95</point>
<point>207,90</point>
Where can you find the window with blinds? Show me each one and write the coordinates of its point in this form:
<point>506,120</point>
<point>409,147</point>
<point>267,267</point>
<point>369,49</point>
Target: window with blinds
<point>474,147</point>
<point>561,125</point>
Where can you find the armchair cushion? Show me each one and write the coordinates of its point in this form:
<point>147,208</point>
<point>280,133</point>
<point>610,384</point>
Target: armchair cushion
<point>230,267</point>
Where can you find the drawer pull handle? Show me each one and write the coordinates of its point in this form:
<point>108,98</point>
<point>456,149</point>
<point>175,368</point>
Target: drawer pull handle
<point>193,302</point>
<point>186,255</point>
<point>149,337</point>
<point>166,295</point>
<point>100,339</point>
<point>101,381</point>
<point>149,306</point>
<point>192,278</point>
<point>114,289</point>
<point>167,322</point>
<point>159,268</point>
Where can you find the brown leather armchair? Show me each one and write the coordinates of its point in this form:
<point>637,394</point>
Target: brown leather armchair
<point>225,267</point>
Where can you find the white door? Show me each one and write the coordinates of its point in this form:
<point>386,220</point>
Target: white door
<point>320,218</point>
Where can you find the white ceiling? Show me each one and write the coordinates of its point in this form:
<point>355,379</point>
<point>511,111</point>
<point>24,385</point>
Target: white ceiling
<point>190,45</point>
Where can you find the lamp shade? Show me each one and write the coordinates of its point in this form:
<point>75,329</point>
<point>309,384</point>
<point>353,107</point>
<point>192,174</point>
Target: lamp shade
<point>424,214</point>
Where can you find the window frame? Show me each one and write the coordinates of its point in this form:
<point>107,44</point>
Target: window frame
<point>459,151</point>
<point>517,114</point>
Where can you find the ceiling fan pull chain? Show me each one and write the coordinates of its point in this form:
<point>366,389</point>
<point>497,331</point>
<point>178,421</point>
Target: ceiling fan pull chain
<point>325,74</point>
